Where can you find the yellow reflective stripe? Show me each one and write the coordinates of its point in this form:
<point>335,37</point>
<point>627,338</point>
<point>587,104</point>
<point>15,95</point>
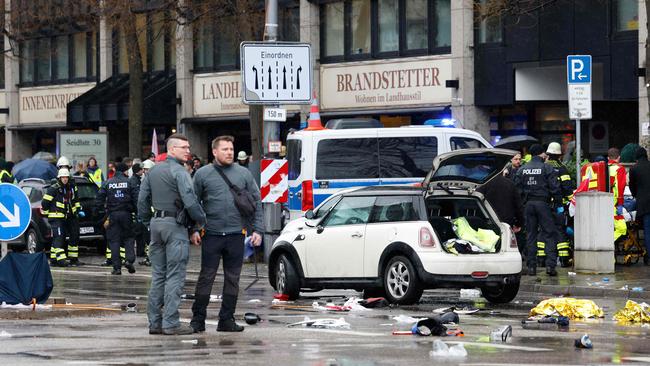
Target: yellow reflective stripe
<point>59,204</point>
<point>47,197</point>
<point>565,177</point>
<point>563,254</point>
<point>540,244</point>
<point>56,215</point>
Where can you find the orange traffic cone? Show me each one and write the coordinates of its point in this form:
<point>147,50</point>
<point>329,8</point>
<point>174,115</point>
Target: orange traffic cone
<point>314,123</point>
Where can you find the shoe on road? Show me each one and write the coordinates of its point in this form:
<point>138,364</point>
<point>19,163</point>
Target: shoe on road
<point>107,263</point>
<point>130,267</point>
<point>180,330</point>
<point>116,272</point>
<point>551,272</point>
<point>532,271</point>
<point>198,328</point>
<point>229,326</point>
<point>155,331</point>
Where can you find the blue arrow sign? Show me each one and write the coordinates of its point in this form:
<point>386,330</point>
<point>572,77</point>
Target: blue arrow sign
<point>578,69</point>
<point>15,212</point>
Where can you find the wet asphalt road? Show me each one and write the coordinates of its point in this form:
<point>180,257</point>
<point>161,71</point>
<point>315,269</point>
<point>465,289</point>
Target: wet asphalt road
<point>120,338</point>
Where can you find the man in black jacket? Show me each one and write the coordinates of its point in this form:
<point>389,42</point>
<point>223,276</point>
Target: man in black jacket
<point>541,191</point>
<point>640,188</point>
<point>505,199</point>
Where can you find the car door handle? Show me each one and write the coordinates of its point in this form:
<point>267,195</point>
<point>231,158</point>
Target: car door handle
<point>357,235</point>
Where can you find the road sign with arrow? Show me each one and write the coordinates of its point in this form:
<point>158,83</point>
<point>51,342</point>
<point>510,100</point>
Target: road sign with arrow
<point>15,212</point>
<point>274,73</point>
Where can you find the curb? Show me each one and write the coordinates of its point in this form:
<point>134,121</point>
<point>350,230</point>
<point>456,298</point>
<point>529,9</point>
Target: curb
<point>583,291</point>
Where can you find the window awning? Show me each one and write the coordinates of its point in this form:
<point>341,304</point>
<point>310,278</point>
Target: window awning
<point>108,102</point>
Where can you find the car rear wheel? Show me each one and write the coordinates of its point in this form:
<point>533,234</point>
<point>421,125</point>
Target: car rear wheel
<point>401,282</point>
<point>286,278</point>
<point>32,244</point>
<point>501,294</point>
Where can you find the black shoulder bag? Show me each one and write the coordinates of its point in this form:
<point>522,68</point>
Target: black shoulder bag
<point>244,200</point>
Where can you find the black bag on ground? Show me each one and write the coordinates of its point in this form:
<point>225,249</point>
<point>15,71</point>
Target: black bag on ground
<point>244,200</point>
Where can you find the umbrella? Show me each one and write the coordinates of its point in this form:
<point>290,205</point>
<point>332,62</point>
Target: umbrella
<point>516,142</point>
<point>34,168</point>
<point>44,155</point>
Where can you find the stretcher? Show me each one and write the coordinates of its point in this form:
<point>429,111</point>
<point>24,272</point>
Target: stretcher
<point>629,249</point>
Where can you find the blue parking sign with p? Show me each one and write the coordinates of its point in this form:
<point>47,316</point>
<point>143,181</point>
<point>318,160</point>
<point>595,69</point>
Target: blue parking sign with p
<point>15,212</point>
<point>578,69</point>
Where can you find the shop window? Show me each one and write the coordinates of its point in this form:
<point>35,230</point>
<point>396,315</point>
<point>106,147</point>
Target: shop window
<point>217,40</point>
<point>27,61</point>
<point>157,42</point>
<point>489,26</point>
<point>333,25</point>
<point>62,57</point>
<point>384,28</point>
<point>80,55</point>
<point>43,60</point>
<point>627,15</point>
<point>388,24</point>
<point>2,64</point>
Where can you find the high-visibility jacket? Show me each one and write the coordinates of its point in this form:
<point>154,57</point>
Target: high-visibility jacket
<point>61,201</point>
<point>96,176</point>
<point>7,177</point>
<point>617,181</point>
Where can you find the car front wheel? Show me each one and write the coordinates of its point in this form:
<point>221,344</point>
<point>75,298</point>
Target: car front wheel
<point>401,282</point>
<point>501,294</point>
<point>286,278</point>
<point>31,242</point>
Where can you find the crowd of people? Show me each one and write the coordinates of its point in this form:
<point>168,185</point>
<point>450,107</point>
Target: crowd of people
<point>535,192</point>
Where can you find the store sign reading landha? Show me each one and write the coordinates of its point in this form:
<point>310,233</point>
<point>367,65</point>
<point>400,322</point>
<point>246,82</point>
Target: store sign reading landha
<point>216,94</point>
<point>383,85</point>
<point>43,105</point>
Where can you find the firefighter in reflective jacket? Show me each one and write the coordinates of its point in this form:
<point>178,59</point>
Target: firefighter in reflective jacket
<point>61,207</point>
<point>564,251</point>
<point>539,185</point>
<point>118,199</point>
<point>617,183</point>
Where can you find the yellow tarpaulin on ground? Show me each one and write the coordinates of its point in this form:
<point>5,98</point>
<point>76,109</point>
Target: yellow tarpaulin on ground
<point>569,307</point>
<point>633,312</point>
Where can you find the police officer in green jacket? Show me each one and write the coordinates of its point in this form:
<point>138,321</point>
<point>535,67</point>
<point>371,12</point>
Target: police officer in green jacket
<point>168,189</point>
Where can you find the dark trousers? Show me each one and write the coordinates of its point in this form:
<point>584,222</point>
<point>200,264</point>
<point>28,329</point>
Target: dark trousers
<point>540,226</point>
<point>213,248</point>
<point>118,233</point>
<point>142,237</point>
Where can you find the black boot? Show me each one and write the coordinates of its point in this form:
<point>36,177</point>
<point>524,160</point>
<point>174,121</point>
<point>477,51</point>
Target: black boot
<point>551,271</point>
<point>130,267</point>
<point>532,271</point>
<point>229,325</point>
<point>116,271</point>
<point>199,312</point>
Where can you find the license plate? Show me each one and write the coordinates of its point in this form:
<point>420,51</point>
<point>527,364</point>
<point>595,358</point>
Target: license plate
<point>86,230</point>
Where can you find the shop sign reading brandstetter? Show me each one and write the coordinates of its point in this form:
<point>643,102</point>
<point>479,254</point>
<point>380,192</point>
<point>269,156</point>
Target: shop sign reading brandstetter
<point>406,82</point>
<point>48,104</point>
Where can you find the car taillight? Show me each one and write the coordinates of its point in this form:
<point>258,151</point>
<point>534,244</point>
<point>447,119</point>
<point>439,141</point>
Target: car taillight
<point>480,274</point>
<point>307,195</point>
<point>426,238</point>
<point>513,239</point>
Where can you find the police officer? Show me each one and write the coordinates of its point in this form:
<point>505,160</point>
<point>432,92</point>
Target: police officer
<point>554,152</point>
<point>168,189</point>
<point>61,206</point>
<point>118,196</point>
<point>538,183</point>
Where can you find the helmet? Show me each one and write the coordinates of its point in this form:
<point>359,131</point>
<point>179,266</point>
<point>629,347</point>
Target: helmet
<point>63,161</point>
<point>554,148</point>
<point>63,172</point>
<point>242,155</point>
<point>148,164</point>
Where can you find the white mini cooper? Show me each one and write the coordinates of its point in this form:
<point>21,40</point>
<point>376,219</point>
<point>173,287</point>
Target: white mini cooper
<point>396,241</point>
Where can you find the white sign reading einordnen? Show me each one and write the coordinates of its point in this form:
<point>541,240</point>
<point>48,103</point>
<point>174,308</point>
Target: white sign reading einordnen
<point>218,94</point>
<point>406,82</point>
<point>48,104</point>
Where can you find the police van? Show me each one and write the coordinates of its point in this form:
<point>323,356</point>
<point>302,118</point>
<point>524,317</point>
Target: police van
<point>323,162</point>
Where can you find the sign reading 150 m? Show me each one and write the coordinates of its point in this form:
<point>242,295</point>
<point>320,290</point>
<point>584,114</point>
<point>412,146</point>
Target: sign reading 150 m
<point>274,73</point>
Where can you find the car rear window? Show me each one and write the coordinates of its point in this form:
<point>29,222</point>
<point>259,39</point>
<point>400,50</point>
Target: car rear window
<point>87,191</point>
<point>394,209</point>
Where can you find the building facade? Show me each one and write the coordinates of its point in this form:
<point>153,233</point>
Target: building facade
<point>401,62</point>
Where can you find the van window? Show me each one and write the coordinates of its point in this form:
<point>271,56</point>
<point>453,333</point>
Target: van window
<point>406,157</point>
<point>458,143</point>
<point>347,159</point>
<point>294,152</point>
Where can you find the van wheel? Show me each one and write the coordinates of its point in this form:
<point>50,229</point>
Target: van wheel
<point>401,282</point>
<point>502,294</point>
<point>286,278</point>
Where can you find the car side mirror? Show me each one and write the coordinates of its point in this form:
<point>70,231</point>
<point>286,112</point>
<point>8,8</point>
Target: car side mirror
<point>309,214</point>
<point>319,229</point>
